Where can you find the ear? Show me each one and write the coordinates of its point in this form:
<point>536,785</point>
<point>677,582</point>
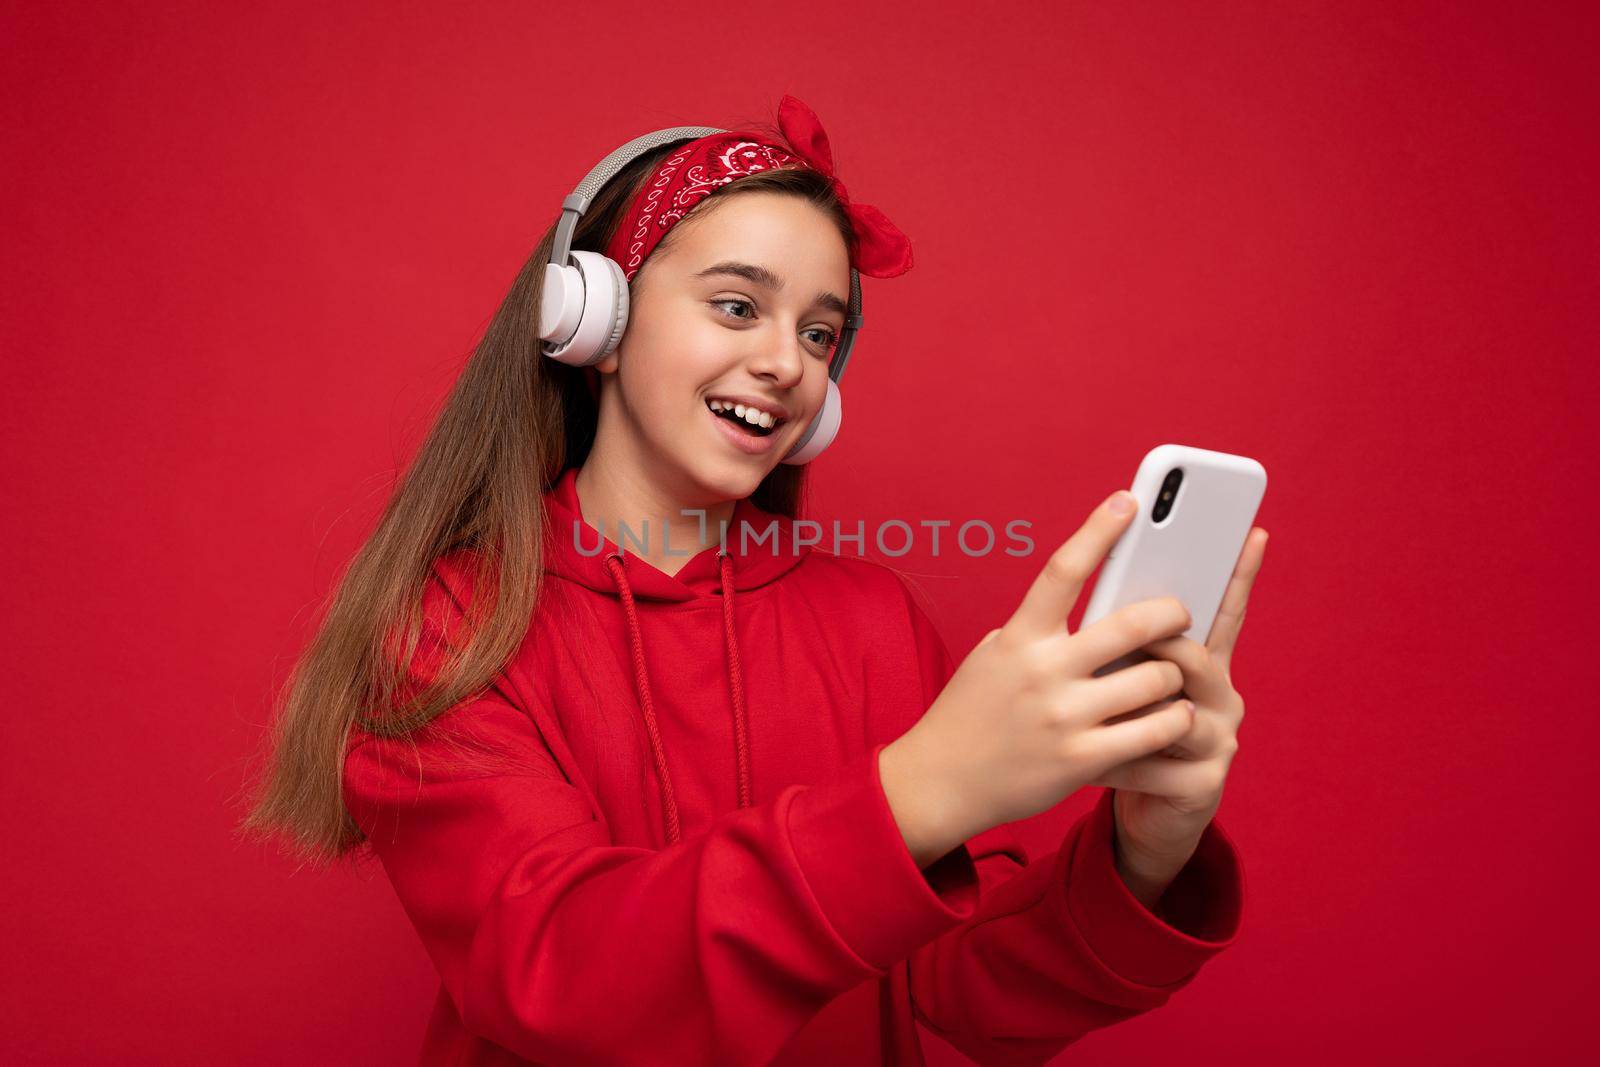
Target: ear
<point>608,365</point>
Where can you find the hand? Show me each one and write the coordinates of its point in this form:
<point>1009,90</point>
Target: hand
<point>1164,802</point>
<point>1023,722</point>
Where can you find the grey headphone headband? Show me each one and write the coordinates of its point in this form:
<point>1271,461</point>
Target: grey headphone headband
<point>573,207</point>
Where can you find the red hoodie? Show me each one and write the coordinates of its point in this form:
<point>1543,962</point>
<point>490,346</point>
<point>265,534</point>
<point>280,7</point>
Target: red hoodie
<point>688,857</point>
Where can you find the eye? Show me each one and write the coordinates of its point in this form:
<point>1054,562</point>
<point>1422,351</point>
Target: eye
<point>826,342</point>
<point>742,303</point>
<point>829,338</point>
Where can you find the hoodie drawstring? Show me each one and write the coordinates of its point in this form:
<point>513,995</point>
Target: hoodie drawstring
<point>641,679</point>
<point>741,736</point>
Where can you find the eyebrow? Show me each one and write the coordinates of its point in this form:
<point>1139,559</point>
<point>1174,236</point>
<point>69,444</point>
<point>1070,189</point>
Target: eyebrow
<point>768,280</point>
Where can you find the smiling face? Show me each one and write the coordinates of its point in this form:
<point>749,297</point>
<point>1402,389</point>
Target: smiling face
<point>741,305</point>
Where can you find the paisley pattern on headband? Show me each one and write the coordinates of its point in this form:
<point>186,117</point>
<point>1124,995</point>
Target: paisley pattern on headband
<point>701,167</point>
<point>732,160</point>
<point>637,244</point>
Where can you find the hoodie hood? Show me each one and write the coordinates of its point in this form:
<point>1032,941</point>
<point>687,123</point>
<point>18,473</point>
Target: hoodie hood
<point>760,548</point>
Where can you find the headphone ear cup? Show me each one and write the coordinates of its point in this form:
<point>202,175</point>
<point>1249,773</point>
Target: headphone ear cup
<point>619,305</point>
<point>584,310</point>
<point>560,304</point>
<point>823,429</point>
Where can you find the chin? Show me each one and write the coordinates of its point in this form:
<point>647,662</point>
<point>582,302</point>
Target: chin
<point>715,472</point>
<point>727,481</point>
<point>736,485</point>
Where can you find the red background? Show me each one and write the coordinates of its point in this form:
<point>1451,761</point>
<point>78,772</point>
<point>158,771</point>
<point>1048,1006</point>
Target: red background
<point>249,248</point>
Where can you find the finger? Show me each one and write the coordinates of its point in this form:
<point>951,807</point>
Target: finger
<point>1203,679</point>
<point>1116,745</point>
<point>1163,777</point>
<point>1208,737</point>
<point>1117,694</point>
<point>1049,599</point>
<point>1230,616</point>
<point>1126,630</point>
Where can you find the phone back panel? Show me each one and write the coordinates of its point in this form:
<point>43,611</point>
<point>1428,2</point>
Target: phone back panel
<point>1191,553</point>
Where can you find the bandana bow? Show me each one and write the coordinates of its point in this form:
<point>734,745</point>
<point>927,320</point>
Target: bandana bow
<point>697,169</point>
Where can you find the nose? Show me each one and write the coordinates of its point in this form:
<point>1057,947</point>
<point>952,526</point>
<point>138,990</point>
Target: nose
<point>781,361</point>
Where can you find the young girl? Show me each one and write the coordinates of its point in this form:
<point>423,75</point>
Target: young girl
<point>710,799</point>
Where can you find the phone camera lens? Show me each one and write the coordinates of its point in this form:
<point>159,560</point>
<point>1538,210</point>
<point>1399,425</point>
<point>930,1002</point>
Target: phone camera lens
<point>1168,495</point>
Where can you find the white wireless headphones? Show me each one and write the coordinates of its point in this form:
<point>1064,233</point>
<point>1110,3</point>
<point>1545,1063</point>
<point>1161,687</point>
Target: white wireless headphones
<point>584,310</point>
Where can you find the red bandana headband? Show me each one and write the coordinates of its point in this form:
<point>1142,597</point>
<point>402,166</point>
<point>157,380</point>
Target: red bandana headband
<point>697,169</point>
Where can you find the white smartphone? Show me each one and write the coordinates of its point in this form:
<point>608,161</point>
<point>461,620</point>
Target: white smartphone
<point>1196,508</point>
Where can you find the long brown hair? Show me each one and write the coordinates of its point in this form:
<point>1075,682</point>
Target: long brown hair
<point>513,422</point>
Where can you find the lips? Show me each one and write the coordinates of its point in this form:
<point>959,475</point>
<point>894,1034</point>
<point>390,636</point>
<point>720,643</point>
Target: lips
<point>745,438</point>
<point>751,421</point>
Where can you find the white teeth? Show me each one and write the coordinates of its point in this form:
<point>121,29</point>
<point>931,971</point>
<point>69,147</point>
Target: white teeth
<point>754,416</point>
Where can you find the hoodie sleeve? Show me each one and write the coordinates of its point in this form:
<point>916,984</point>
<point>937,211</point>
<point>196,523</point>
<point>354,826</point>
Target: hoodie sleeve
<point>1060,946</point>
<point>564,947</point>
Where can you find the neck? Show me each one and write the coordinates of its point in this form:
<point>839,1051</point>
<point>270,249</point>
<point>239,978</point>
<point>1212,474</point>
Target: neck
<point>657,529</point>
